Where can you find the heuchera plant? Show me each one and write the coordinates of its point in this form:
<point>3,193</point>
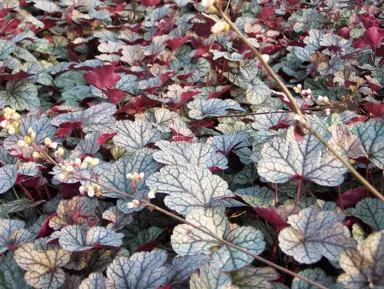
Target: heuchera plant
<point>144,146</point>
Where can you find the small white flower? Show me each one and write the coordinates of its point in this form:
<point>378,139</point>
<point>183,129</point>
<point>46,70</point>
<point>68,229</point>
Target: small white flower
<point>265,57</point>
<point>47,141</point>
<point>59,152</point>
<point>326,99</point>
<point>320,98</point>
<point>82,190</point>
<point>78,162</point>
<point>152,194</point>
<point>299,86</point>
<point>219,27</point>
<point>36,155</point>
<point>129,176</point>
<point>33,135</point>
<point>68,168</point>
<point>309,91</point>
<point>4,123</point>
<point>11,130</point>
<point>53,145</point>
<point>141,175</point>
<point>327,111</point>
<point>30,131</point>
<point>130,205</point>
<point>207,3</point>
<point>91,192</point>
<point>21,143</point>
<point>61,177</point>
<point>136,203</point>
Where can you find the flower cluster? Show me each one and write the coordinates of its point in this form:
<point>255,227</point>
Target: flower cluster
<point>11,120</point>
<point>77,165</point>
<point>220,27</point>
<point>93,190</point>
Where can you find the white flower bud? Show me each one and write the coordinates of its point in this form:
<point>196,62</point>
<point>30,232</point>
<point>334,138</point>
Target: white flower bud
<point>130,205</point>
<point>21,143</point>
<point>47,141</point>
<point>82,190</point>
<point>91,192</point>
<point>78,162</point>
<point>152,194</point>
<point>4,123</point>
<point>220,27</point>
<point>11,130</point>
<point>136,203</point>
<point>207,3</point>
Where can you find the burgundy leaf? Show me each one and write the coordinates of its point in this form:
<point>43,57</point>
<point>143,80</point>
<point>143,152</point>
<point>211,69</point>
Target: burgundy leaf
<point>266,12</point>
<point>150,3</point>
<point>217,94</point>
<point>102,77</point>
<point>373,36</point>
<point>177,41</point>
<point>272,217</point>
<point>352,197</point>
<point>114,94</point>
<point>374,109</point>
<point>105,137</point>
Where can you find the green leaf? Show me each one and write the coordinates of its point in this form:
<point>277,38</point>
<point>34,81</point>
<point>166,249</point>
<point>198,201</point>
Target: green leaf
<point>11,276</point>
<point>20,95</point>
<point>371,211</point>
<point>8,175</point>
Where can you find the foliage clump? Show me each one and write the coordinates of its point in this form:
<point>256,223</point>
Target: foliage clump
<point>144,146</point>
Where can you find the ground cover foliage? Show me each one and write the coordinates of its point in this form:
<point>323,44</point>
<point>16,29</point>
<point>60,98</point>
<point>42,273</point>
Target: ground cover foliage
<point>110,106</point>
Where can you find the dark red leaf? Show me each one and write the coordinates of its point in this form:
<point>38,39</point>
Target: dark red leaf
<point>272,217</point>
<point>177,41</point>
<point>293,2</point>
<point>344,32</point>
<point>102,77</point>
<point>114,94</point>
<point>139,104</point>
<point>12,24</point>
<point>69,190</point>
<point>373,36</point>
<point>266,12</point>
<point>374,109</point>
<point>298,132</point>
<point>282,124</point>
<point>45,229</point>
<point>217,94</point>
<point>16,76</point>
<point>184,97</point>
<point>150,3</point>
<point>203,29</point>
<point>352,197</point>
<point>105,137</point>
<point>147,247</point>
<point>368,21</point>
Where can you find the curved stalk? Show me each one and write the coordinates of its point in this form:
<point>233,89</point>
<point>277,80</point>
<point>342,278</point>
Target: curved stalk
<point>204,230</point>
<point>296,108</point>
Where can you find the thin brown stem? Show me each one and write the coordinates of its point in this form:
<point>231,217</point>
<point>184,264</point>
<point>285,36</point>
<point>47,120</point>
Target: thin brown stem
<point>270,112</point>
<point>296,108</point>
<point>340,199</point>
<point>204,230</point>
